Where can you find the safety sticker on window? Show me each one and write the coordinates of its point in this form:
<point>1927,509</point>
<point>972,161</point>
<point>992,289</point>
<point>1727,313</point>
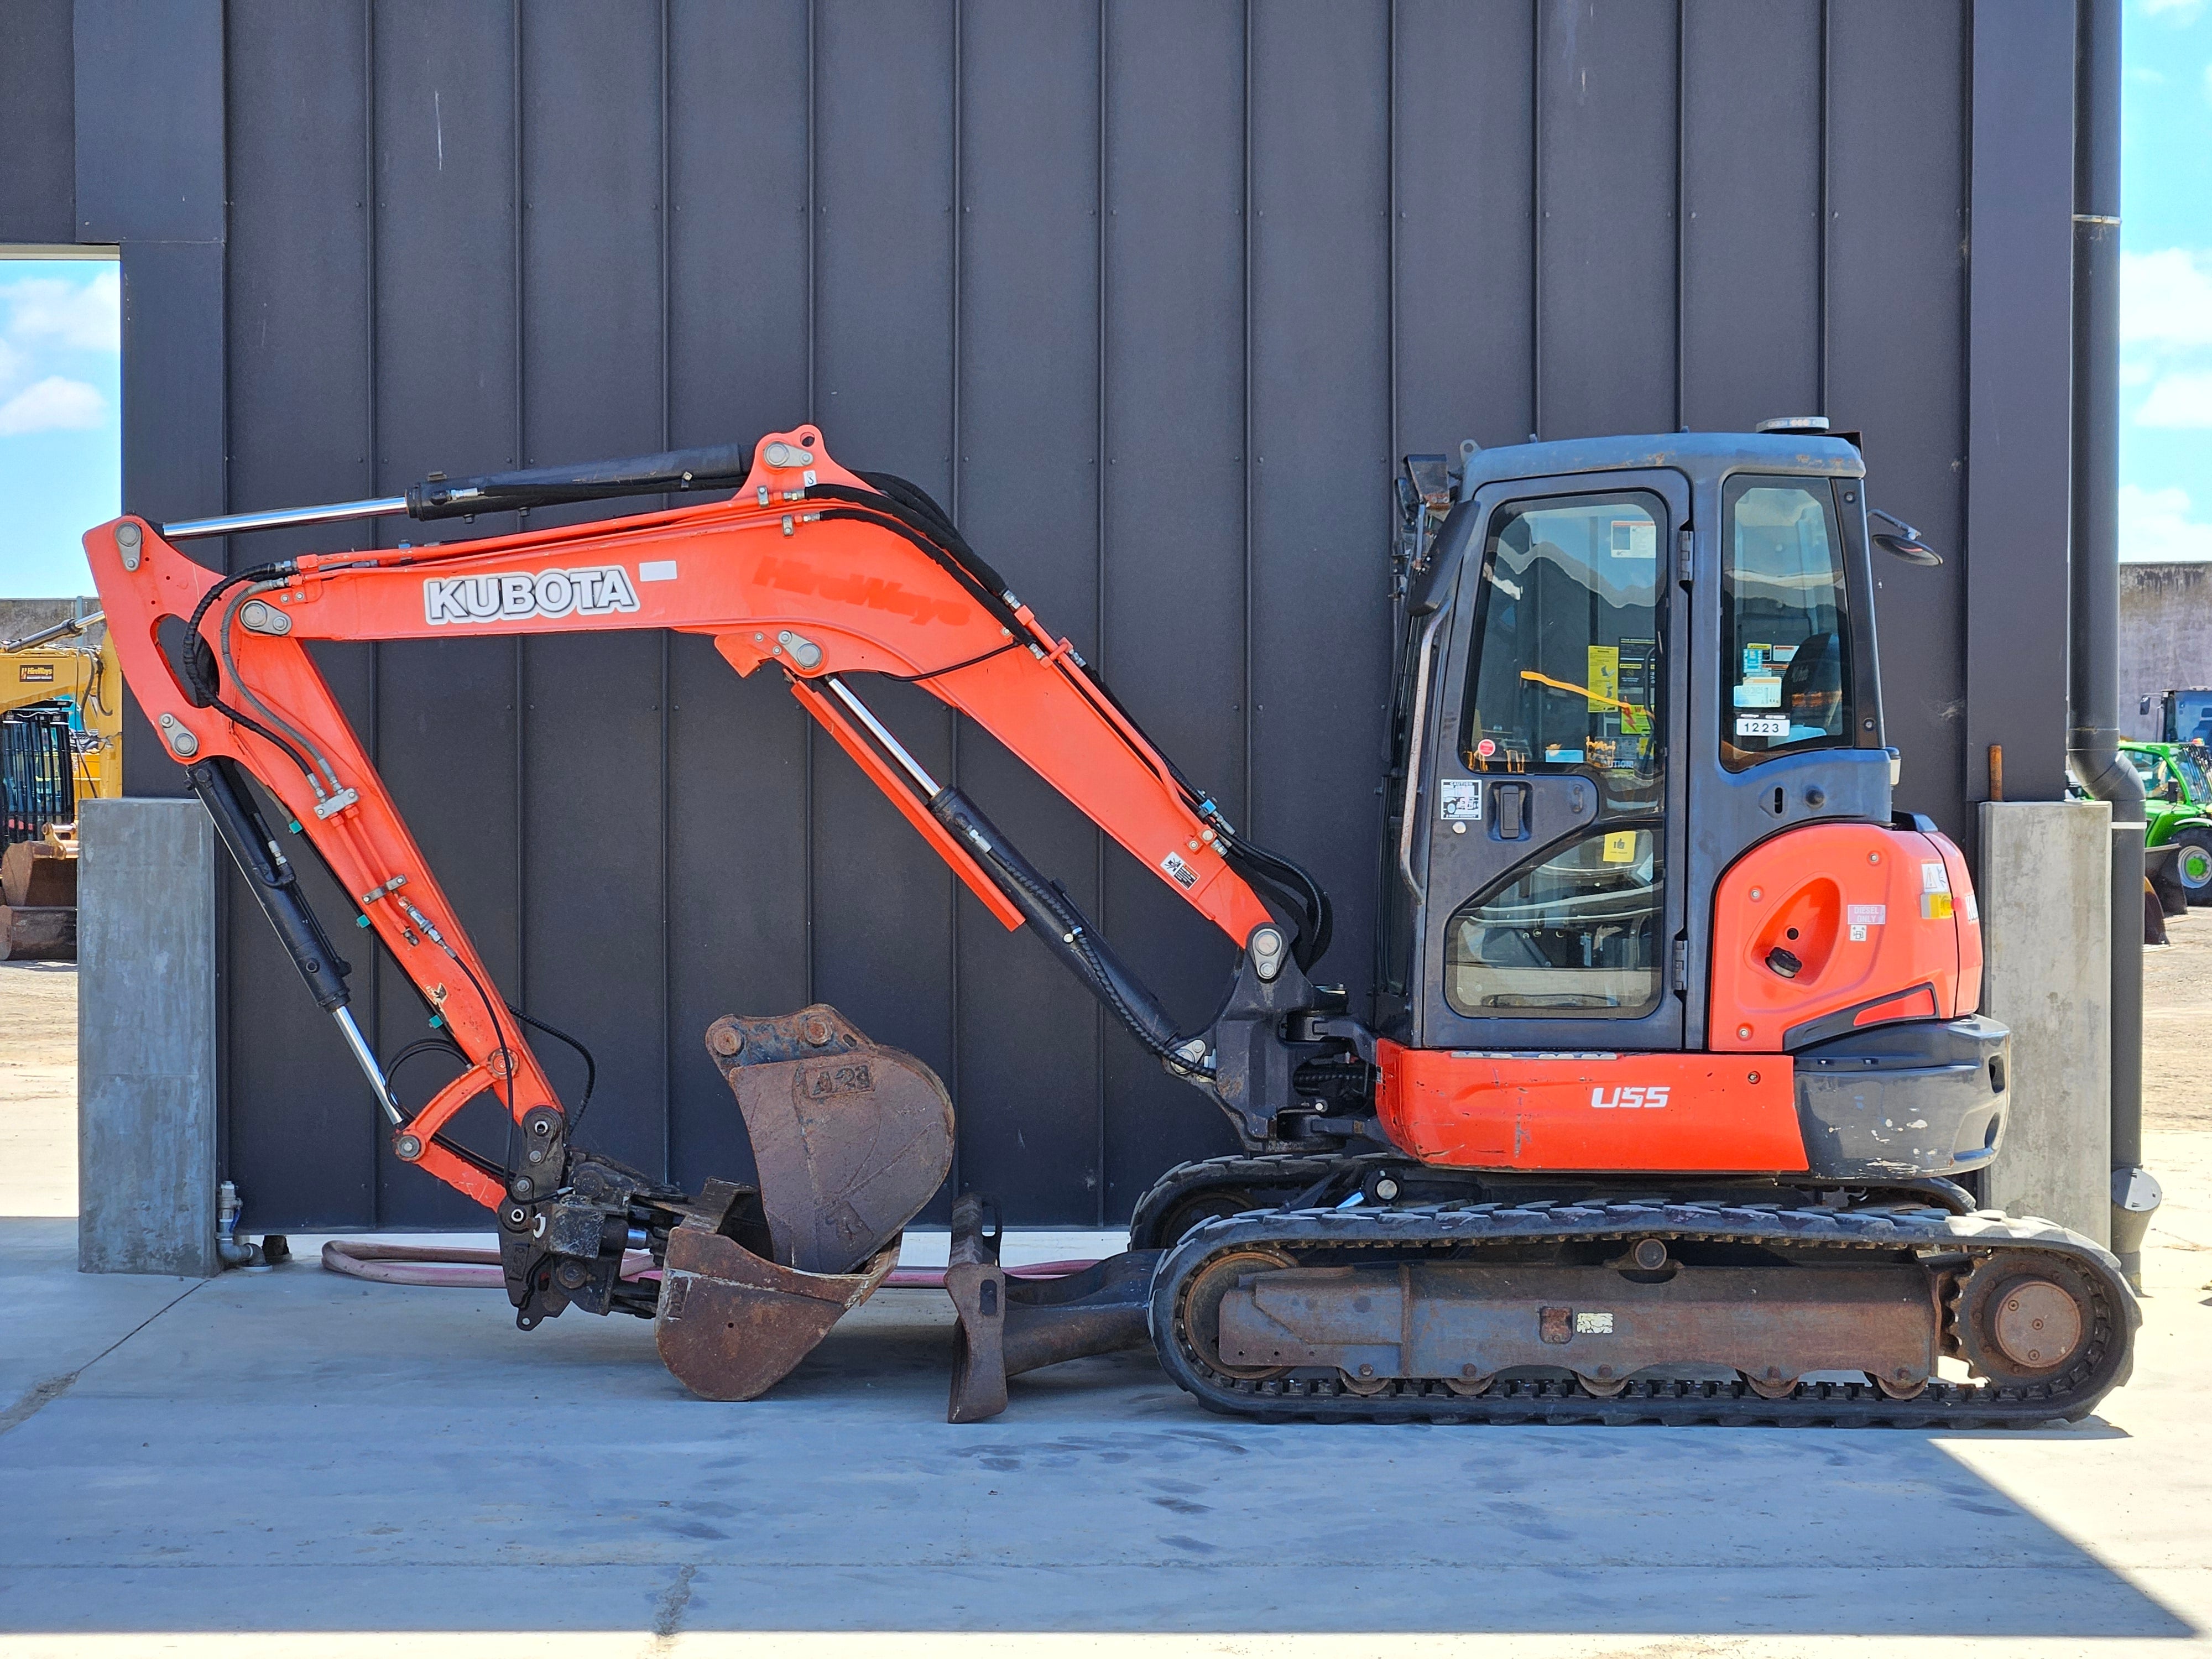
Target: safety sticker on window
<point>1460,799</point>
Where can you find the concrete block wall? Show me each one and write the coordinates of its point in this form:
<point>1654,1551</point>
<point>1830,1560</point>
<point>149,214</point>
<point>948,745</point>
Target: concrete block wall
<point>146,1039</point>
<point>2046,892</point>
<point>2166,636</point>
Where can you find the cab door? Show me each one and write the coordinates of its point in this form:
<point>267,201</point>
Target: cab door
<point>1784,724</point>
<point>1545,840</point>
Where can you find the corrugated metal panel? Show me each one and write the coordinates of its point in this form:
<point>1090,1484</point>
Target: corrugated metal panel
<point>1172,549</point>
<point>1896,277</point>
<point>1027,486</point>
<point>38,96</point>
<point>297,342</point>
<point>1121,282</point>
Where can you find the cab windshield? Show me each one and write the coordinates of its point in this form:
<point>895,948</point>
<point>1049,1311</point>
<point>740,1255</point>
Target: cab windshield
<point>2194,783</point>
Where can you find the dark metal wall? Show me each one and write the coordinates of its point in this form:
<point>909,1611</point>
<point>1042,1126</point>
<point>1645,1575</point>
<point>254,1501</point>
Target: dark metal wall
<point>1151,293</point>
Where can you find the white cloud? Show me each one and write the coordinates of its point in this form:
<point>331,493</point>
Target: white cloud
<point>2165,296</point>
<point>2184,11</point>
<point>87,316</point>
<point>2155,527</point>
<point>2177,399</point>
<point>51,404</point>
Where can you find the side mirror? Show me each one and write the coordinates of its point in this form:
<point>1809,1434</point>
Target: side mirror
<point>2142,705</point>
<point>2173,789</point>
<point>1905,542</point>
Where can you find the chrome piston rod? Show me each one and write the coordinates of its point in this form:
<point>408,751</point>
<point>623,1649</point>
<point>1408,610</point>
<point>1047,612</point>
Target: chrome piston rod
<point>234,524</point>
<point>365,1057</point>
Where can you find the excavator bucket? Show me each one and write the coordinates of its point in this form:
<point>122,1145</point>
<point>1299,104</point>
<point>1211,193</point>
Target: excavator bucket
<point>850,1140</point>
<point>731,1324</point>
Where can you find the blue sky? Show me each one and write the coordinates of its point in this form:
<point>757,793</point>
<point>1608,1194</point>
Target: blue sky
<point>61,379</point>
<point>61,439</point>
<point>2166,282</point>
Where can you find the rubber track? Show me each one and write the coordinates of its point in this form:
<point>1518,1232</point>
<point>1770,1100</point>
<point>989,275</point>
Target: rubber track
<point>1415,1233</point>
<point>1296,1170</point>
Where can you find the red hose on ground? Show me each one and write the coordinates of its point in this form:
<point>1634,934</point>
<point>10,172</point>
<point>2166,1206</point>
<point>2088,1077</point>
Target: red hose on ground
<point>463,1267</point>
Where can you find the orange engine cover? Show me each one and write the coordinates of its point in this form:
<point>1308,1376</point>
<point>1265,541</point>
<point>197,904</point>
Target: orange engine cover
<point>1836,926</point>
<point>1614,1112</point>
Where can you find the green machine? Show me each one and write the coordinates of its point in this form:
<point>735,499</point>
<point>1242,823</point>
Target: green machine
<point>2178,808</point>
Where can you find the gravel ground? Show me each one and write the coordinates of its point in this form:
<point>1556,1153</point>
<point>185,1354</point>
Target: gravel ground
<point>38,1087</point>
<point>2176,999</point>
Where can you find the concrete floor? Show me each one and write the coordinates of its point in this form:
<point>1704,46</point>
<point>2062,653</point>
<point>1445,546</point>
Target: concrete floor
<point>298,1463</point>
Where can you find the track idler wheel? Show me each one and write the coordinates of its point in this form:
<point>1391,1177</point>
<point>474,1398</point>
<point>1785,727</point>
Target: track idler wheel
<point>2020,1322</point>
<point>732,1324</point>
<point>850,1139</point>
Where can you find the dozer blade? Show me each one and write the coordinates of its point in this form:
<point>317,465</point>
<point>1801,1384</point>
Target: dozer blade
<point>850,1139</point>
<point>732,1325</point>
<point>1004,1326</point>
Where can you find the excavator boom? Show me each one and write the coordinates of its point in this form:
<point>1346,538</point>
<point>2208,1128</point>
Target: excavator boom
<point>823,576</point>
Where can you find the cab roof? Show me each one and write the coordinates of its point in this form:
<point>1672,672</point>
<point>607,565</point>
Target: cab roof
<point>1700,455</point>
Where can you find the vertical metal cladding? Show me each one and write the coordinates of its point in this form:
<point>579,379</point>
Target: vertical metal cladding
<point>1123,281</point>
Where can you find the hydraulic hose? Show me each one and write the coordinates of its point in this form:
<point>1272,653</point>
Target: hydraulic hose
<point>1053,918</point>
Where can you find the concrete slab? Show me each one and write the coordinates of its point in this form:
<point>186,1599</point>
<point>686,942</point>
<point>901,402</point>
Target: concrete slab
<point>51,1325</point>
<point>306,1456</point>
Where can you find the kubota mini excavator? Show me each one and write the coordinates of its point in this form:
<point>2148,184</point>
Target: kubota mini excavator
<point>1674,1052</point>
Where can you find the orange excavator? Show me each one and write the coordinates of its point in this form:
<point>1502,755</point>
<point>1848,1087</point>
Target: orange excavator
<point>1673,1063</point>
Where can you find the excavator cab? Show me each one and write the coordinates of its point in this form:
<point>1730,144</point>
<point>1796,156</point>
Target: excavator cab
<point>1634,673</point>
<point>1614,637</point>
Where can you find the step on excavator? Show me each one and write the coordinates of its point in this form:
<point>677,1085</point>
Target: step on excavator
<point>1673,1067</point>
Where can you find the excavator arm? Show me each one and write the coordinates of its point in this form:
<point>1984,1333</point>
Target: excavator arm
<point>822,574</point>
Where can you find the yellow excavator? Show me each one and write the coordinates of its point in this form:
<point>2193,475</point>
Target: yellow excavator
<point>60,666</point>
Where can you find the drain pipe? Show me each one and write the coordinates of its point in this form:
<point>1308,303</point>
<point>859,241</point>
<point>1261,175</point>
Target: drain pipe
<point>236,1252</point>
<point>2092,737</point>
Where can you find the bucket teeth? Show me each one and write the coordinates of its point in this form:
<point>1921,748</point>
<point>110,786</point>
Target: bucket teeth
<point>850,1139</point>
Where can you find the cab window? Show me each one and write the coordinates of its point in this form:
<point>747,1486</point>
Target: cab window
<point>1566,666</point>
<point>1785,644</point>
<point>2193,781</point>
<point>1580,932</point>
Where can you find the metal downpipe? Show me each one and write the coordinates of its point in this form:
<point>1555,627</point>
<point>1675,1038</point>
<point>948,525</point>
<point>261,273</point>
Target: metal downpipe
<point>2092,735</point>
